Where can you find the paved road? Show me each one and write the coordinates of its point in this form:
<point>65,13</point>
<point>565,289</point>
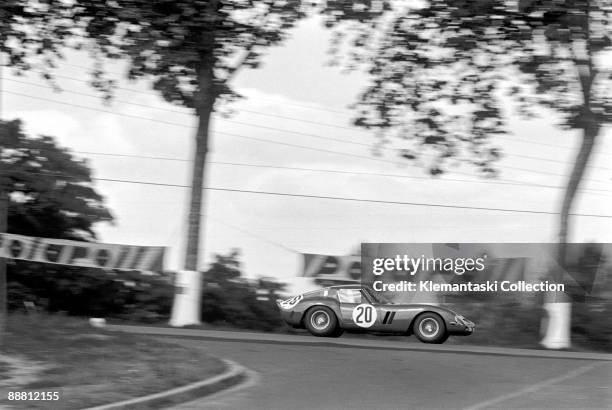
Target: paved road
<point>292,376</point>
<point>404,343</point>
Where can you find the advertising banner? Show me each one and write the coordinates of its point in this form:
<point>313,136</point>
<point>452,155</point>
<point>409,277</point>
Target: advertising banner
<point>329,269</point>
<point>86,254</point>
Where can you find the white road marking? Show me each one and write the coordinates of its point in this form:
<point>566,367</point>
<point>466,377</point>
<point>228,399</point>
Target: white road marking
<point>535,387</point>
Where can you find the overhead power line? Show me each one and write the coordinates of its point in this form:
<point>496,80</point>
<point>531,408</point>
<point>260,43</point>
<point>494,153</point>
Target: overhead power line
<point>182,111</point>
<point>514,139</point>
<point>248,124</point>
<point>339,198</point>
<point>307,106</point>
<point>362,200</point>
<point>334,171</point>
<point>254,235</point>
<point>182,125</point>
<point>421,204</point>
<point>264,140</point>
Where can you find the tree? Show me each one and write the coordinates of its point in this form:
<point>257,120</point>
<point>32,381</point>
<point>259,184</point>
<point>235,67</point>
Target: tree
<point>49,191</point>
<point>442,69</point>
<point>190,50</point>
<point>231,299</point>
<point>89,292</point>
<point>32,35</point>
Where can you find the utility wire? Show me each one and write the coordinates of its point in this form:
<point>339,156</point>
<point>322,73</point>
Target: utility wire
<point>182,111</point>
<point>311,107</point>
<point>176,123</point>
<point>264,140</point>
<point>178,111</point>
<point>333,171</point>
<point>421,204</point>
<point>306,134</point>
<point>362,200</point>
<point>157,95</point>
<point>337,198</point>
<point>254,235</point>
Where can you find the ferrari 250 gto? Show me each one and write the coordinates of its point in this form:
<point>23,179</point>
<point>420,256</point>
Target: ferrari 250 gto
<point>332,310</point>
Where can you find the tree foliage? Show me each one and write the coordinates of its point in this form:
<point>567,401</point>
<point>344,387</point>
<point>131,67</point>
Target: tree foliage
<point>168,42</point>
<point>229,299</point>
<point>33,34</point>
<point>443,71</point>
<point>50,191</point>
<point>79,291</point>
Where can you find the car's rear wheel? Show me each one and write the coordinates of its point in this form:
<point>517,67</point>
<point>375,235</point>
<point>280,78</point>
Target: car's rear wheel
<point>322,321</point>
<point>430,328</point>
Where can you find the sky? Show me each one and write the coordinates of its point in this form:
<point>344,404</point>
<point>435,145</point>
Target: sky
<point>272,231</point>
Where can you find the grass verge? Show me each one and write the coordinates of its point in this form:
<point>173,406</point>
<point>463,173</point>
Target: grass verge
<point>90,366</point>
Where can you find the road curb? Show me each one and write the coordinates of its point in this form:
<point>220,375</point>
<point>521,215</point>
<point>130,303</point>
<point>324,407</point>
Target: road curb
<point>357,343</point>
<point>234,375</point>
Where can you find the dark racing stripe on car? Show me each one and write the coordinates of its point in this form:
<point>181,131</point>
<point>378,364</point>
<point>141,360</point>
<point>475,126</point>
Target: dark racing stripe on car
<point>391,318</point>
<point>386,318</point>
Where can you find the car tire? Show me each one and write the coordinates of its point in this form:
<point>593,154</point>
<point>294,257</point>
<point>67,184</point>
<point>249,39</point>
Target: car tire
<point>322,321</point>
<point>430,328</point>
<point>338,332</point>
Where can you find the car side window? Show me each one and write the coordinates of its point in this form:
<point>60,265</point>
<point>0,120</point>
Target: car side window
<point>349,296</point>
<point>330,293</point>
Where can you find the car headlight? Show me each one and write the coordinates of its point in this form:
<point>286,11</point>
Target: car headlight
<point>460,320</point>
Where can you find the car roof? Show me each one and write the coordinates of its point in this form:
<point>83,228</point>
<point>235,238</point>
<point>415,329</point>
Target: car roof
<point>352,286</point>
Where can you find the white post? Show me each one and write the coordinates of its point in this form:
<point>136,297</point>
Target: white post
<point>557,332</point>
<point>186,307</point>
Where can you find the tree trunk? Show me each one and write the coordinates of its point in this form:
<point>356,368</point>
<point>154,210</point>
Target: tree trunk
<point>197,191</point>
<point>204,110</point>
<point>590,132</point>
<point>3,284</point>
<point>558,305</point>
<point>186,308</point>
<point>3,229</point>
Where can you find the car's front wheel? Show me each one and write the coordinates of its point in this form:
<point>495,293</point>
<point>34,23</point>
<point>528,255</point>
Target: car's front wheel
<point>321,321</point>
<point>430,328</point>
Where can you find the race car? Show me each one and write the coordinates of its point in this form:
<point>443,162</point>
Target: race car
<point>332,310</point>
